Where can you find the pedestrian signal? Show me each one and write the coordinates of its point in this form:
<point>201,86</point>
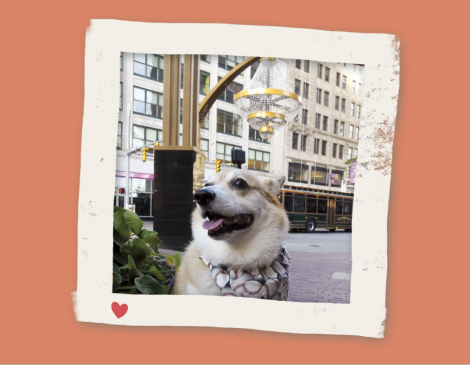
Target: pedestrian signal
<point>144,154</point>
<point>122,190</point>
<point>217,165</point>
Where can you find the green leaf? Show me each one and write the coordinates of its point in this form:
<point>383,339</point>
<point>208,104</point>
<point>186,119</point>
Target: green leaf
<point>118,209</point>
<point>119,258</point>
<point>134,221</point>
<point>148,285</point>
<point>153,241</point>
<point>178,260</point>
<point>155,272</point>
<point>117,279</point>
<point>170,260</point>
<point>121,226</point>
<point>164,289</point>
<point>139,252</point>
<point>117,238</point>
<point>130,264</point>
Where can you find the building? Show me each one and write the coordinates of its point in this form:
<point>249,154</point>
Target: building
<point>292,151</point>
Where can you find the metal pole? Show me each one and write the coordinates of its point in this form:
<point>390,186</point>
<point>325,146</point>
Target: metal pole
<point>128,164</point>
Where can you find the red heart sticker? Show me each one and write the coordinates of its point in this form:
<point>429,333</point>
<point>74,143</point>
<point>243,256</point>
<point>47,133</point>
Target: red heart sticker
<point>119,310</point>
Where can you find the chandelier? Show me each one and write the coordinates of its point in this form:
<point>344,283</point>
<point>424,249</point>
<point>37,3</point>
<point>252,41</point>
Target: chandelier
<point>267,103</point>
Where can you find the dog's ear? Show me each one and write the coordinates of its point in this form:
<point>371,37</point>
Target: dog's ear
<point>274,185</point>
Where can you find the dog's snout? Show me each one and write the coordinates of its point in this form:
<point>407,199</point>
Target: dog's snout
<point>204,196</point>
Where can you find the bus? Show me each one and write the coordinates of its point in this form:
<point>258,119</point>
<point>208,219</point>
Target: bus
<point>309,209</point>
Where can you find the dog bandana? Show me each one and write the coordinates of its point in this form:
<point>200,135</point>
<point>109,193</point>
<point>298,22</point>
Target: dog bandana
<point>268,283</point>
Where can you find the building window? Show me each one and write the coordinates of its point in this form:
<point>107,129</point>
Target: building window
<point>319,176</point>
<point>149,66</point>
<point>344,82</point>
<point>341,129</point>
<point>335,147</point>
<point>120,61</point>
<point>295,141</point>
<point>353,87</point>
<point>337,103</point>
<point>304,116</point>
<point>340,154</point>
<point>204,83</point>
<point>258,160</point>
<point>120,97</point>
<point>297,87</point>
<point>255,136</point>
<point>303,143</point>
<point>142,136</point>
<point>358,111</point>
<point>119,137</point>
<point>316,145</point>
<point>335,130</point>
<point>338,79</point>
<point>224,152</point>
<point>355,153</point>
<point>298,64</point>
<point>298,172</point>
<point>352,109</point>
<point>326,98</point>
<point>307,66</point>
<point>228,124</point>
<point>230,91</point>
<point>349,153</point>
<point>336,179</point>
<point>325,123</point>
<point>205,147</point>
<point>323,148</point>
<point>360,70</point>
<point>343,105</point>
<point>205,123</point>
<point>253,69</point>
<point>320,71</point>
<point>356,135</point>
<point>229,62</point>
<point>148,102</point>
<point>318,96</point>
<point>317,121</point>
<point>306,87</point>
<point>205,58</point>
<point>359,89</point>
<point>351,131</point>
<point>327,74</point>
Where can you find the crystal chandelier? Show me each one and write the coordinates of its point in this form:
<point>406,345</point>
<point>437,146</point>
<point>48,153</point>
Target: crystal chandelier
<point>267,103</point>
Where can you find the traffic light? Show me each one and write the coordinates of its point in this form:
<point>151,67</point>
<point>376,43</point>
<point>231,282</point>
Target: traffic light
<point>217,165</point>
<point>144,154</point>
<point>122,190</point>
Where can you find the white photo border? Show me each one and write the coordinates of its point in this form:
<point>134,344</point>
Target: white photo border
<point>365,315</point>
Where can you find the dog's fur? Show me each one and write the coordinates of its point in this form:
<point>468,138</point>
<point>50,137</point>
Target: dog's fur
<point>253,247</point>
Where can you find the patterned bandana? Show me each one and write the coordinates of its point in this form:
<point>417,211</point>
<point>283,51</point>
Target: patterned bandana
<point>268,283</point>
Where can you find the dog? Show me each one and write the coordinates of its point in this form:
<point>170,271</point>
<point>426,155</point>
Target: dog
<point>238,228</point>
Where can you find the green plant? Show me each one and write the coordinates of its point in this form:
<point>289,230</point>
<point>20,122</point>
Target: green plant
<point>138,266</point>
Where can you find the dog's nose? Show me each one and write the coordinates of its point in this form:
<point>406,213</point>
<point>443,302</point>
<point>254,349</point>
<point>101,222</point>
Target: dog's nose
<point>204,196</point>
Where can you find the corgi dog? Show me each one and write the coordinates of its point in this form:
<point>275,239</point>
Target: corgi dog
<point>238,228</point>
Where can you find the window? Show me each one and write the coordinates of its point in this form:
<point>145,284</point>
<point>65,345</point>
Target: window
<point>337,103</point>
<point>338,79</point>
<point>336,178</point>
<point>230,91</point>
<point>142,136</point>
<point>325,123</point>
<point>304,116</point>
<point>204,83</point>
<point>335,130</point>
<point>322,205</point>
<point>320,71</point>
<point>205,147</point>
<point>316,145</point>
<point>229,62</point>
<point>119,137</point>
<point>341,129</point>
<point>258,160</point>
<point>352,109</point>
<point>228,124</point>
<point>360,70</point>
<point>323,148</point>
<point>306,87</point>
<point>318,96</point>
<point>205,123</point>
<point>335,148</point>
<point>147,102</point>
<point>347,209</point>
<point>319,176</point>
<point>255,136</point>
<point>298,64</point>
<point>120,97</point>
<point>340,153</point>
<point>356,135</point>
<point>288,202</point>
<point>317,121</point>
<point>339,202</point>
<point>298,172</point>
<point>224,152</point>
<point>326,98</point>
<point>344,82</point>
<point>343,105</point>
<point>327,74</point>
<point>359,89</point>
<point>295,141</point>
<point>353,87</point>
<point>311,204</point>
<point>307,66</point>
<point>120,61</point>
<point>349,153</point>
<point>297,87</point>
<point>351,131</point>
<point>149,66</point>
<point>303,143</point>
<point>299,203</point>
<point>205,58</point>
<point>358,111</point>
<point>355,153</point>
<point>253,69</point>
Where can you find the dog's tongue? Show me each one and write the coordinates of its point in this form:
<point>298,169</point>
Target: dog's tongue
<point>211,224</point>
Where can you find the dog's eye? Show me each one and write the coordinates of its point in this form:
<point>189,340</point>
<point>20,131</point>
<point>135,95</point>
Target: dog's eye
<point>240,184</point>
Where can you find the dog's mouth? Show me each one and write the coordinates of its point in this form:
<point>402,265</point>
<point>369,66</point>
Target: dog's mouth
<point>217,225</point>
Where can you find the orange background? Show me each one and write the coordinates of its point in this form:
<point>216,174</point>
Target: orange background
<point>43,85</point>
